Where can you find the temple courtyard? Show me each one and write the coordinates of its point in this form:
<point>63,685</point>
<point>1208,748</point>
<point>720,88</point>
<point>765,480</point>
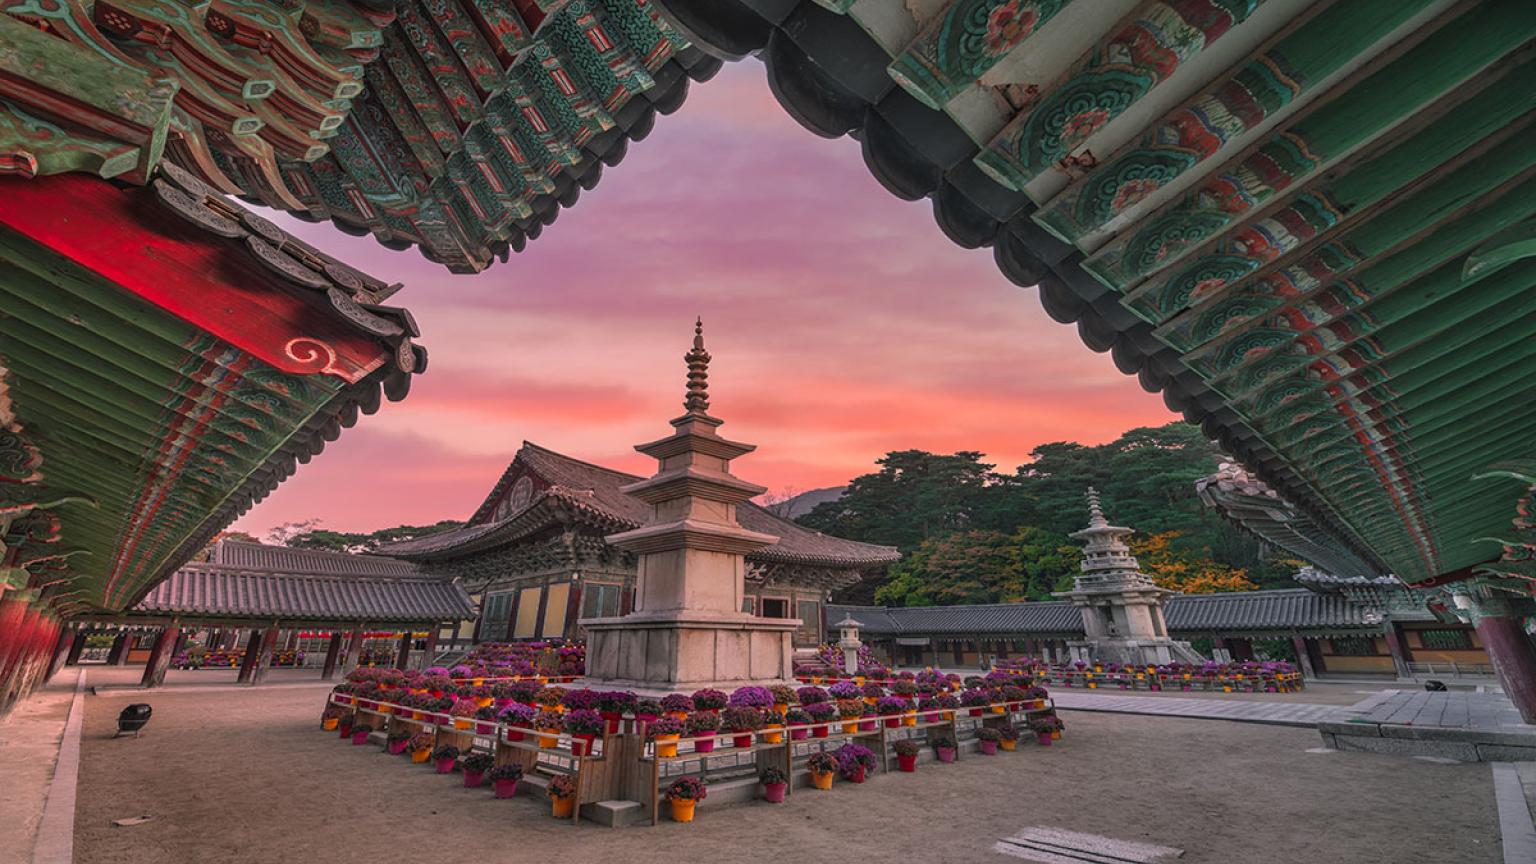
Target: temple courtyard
<point>229,774</point>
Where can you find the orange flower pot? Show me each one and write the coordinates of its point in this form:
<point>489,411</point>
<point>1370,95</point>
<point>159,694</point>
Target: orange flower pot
<point>421,755</point>
<point>909,719</point>
<point>562,808</point>
<point>998,709</point>
<point>850,728</point>
<point>548,739</point>
<point>329,724</point>
<point>773,735</point>
<point>682,809</point>
<point>1007,745</point>
<point>462,723</point>
<point>666,745</point>
<point>822,781</point>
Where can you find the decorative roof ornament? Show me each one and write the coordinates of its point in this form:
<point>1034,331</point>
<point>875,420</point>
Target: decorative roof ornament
<point>1095,513</point>
<point>1107,559</point>
<point>697,399</point>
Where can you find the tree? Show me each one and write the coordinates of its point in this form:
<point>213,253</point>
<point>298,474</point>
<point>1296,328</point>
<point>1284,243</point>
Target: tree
<point>981,566</point>
<point>314,537</point>
<point>914,496</point>
<point>1180,571</point>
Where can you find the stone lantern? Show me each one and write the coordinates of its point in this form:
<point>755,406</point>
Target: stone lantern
<point>848,630</point>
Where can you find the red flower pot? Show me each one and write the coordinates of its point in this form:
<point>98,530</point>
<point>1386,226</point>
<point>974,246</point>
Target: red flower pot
<point>742,740</point>
<point>612,718</point>
<point>892,722</point>
<point>906,763</point>
<point>397,747</point>
<point>485,727</point>
<point>1043,739</point>
<point>799,733</point>
<point>514,735</point>
<point>344,730</point>
<point>820,731</point>
<point>443,766</point>
<point>931,718</point>
<point>773,793</point>
<point>856,775</point>
<point>946,754</point>
<point>359,739</point>
<point>473,779</point>
<point>705,744</point>
<point>868,725</point>
<point>988,748</point>
<point>504,788</point>
<point>975,712</point>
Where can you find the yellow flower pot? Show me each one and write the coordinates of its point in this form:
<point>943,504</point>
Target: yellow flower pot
<point>682,809</point>
<point>666,745</point>
<point>483,701</point>
<point>421,755</point>
<point>998,709</point>
<point>462,723</point>
<point>822,780</point>
<point>548,738</point>
<point>909,719</point>
<point>329,724</point>
<point>773,735</point>
<point>563,808</point>
<point>850,728</point>
<point>1007,745</point>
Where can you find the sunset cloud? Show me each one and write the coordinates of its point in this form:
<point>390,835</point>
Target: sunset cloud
<point>843,324</point>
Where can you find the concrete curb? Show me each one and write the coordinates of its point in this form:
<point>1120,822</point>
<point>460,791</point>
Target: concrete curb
<point>55,842</point>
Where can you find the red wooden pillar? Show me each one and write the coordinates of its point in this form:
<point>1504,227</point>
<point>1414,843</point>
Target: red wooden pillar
<point>403,653</point>
<point>263,660</point>
<point>119,649</point>
<point>160,655</point>
<point>1398,649</point>
<point>332,654</point>
<point>122,657</point>
<point>572,611</point>
<point>1242,649</point>
<point>248,661</point>
<point>75,648</point>
<point>61,648</point>
<point>1514,660</point>
<point>431,651</point>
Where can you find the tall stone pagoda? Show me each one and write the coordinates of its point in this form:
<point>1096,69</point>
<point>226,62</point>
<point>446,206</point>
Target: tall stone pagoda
<point>688,628</point>
<point>1121,606</point>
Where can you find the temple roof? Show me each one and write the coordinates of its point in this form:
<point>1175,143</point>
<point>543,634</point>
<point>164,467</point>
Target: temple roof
<point>1282,610</point>
<point>167,358</point>
<point>274,582</point>
<point>461,126</point>
<point>1300,221</point>
<point>592,492</point>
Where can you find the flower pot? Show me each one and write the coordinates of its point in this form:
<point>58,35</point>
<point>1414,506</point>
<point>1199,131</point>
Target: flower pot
<point>443,766</point>
<point>892,722</point>
<point>482,701</point>
<point>682,809</point>
<point>504,788</point>
<point>909,719</point>
<point>931,717</point>
<point>821,731</point>
<point>780,708</point>
<point>998,709</point>
<point>485,727</point>
<point>514,735</point>
<point>822,780</point>
<point>473,779</point>
<point>1043,739</point>
<point>562,808</point>
<point>678,715</point>
<point>773,735</point>
<point>975,712</point>
<point>868,725</point>
<point>799,733</point>
<point>705,744</point>
<point>906,763</point>
<point>666,746</point>
<point>329,724</point>
<point>945,754</point>
<point>462,723</point>
<point>359,738</point>
<point>856,775</point>
<point>397,747</point>
<point>581,745</point>
<point>773,793</point>
<point>742,741</point>
<point>421,755</point>
<point>988,748</point>
<point>1055,736</point>
<point>1008,745</point>
<point>548,739</point>
<point>850,728</point>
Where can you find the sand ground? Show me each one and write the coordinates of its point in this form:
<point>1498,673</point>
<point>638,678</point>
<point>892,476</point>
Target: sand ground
<point>29,746</point>
<point>234,775</point>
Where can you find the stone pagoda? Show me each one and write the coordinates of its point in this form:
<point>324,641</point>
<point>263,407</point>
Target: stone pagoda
<point>687,629</point>
<point>1121,606</point>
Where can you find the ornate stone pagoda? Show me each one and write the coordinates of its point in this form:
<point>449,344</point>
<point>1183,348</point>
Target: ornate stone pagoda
<point>1122,608</point>
<point>687,628</point>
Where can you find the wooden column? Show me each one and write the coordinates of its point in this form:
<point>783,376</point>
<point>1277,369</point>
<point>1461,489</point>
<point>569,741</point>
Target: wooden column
<point>572,611</point>
<point>1303,657</point>
<point>160,655</point>
<point>1514,660</point>
<point>118,651</point>
<point>264,657</point>
<point>1242,649</point>
<point>61,648</point>
<point>122,658</point>
<point>332,654</point>
<point>354,649</point>
<point>431,651</point>
<point>75,648</point>
<point>1398,649</point>
<point>403,653</point>
<point>248,662</point>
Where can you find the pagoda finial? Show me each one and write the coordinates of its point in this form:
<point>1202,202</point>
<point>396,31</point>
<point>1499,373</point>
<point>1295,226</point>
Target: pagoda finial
<point>1095,513</point>
<point>697,399</point>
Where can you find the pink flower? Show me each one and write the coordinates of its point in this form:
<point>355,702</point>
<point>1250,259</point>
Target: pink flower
<point>1007,26</point>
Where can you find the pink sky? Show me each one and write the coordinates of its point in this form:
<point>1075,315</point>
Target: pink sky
<point>842,322</point>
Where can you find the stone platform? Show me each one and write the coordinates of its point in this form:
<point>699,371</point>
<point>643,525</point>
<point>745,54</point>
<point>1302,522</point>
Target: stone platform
<point>1465,726</point>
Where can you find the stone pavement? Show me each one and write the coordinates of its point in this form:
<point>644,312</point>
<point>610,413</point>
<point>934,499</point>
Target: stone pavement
<point>1470,727</point>
<point>1302,714</point>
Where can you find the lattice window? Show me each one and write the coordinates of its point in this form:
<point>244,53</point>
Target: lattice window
<point>1354,646</point>
<point>493,617</point>
<point>1446,640</point>
<point>600,601</point>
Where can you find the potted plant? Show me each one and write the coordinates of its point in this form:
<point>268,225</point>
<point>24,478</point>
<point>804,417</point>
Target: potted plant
<point>944,748</point>
<point>821,713</point>
<point>1008,737</point>
<point>613,705</point>
<point>808,696</point>
<point>975,699</point>
<point>344,725</point>
<point>821,767</point>
<point>703,726</point>
<point>906,755</point>
<point>751,697</point>
<point>360,733</point>
<point>398,739</point>
<point>799,721</point>
<point>709,700</point>
<point>1045,728</point>
<point>677,705</point>
<point>420,747</point>
<point>474,767</point>
<point>664,733</point>
<point>851,711</point>
<point>525,691</point>
<point>517,717</point>
<point>548,724</point>
<point>549,697</point>
<point>562,796</point>
<point>330,718</point>
<point>444,758</point>
<point>741,721</point>
<point>485,720</point>
<point>891,710</point>
<point>648,710</point>
<point>775,784</point>
<point>773,727</point>
<point>583,725</point>
<point>504,779</point>
<point>783,697</point>
<point>684,793</point>
<point>872,692</point>
<point>845,690</point>
<point>854,761</point>
<point>987,739</point>
<point>905,688</point>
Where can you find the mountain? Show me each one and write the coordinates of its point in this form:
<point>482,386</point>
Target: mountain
<point>803,503</point>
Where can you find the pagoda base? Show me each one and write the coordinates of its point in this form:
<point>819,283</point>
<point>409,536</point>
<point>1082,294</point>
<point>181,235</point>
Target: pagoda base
<point>1134,652</point>
<point>662,654</point>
